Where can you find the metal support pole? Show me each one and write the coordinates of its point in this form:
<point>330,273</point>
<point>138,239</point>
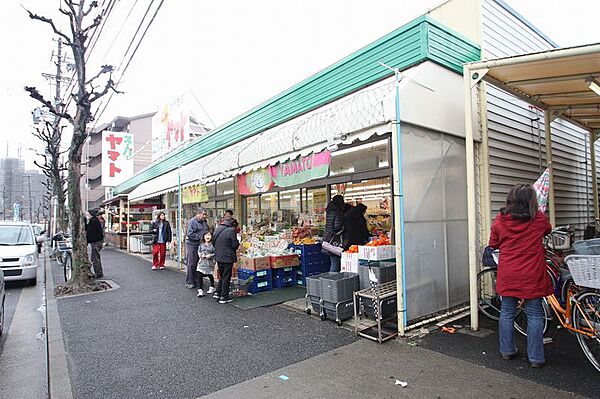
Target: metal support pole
<point>548,136</point>
<point>594,176</point>
<point>179,216</point>
<point>128,225</point>
<point>401,301</point>
<point>471,203</point>
<point>484,168</point>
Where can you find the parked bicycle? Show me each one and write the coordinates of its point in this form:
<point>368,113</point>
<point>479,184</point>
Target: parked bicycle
<point>556,244</point>
<point>62,252</point>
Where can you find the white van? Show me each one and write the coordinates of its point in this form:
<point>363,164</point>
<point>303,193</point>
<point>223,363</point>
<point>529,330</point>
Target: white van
<point>18,252</point>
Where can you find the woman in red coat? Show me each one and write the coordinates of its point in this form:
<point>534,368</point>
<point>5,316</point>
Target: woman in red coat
<point>518,231</point>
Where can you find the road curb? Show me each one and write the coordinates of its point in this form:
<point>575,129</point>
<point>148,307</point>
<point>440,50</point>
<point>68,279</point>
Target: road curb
<point>59,383</point>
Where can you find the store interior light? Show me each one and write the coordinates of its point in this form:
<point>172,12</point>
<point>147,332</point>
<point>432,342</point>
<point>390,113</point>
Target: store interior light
<point>594,85</point>
<point>368,146</point>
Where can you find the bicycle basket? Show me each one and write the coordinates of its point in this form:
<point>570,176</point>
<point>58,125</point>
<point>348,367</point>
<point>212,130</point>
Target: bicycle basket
<point>585,270</point>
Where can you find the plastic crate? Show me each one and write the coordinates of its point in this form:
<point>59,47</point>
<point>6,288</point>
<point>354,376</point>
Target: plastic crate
<point>344,311</point>
<point>312,260</point>
<point>338,287</point>
<point>263,280</point>
<point>313,285</point>
<point>384,272</point>
<point>284,272</point>
<point>285,280</point>
<point>388,308</point>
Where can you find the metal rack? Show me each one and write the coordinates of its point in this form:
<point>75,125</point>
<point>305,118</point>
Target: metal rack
<point>385,329</point>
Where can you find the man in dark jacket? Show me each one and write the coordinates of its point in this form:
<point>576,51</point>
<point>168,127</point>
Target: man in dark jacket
<point>226,244</point>
<point>196,228</point>
<point>95,237</point>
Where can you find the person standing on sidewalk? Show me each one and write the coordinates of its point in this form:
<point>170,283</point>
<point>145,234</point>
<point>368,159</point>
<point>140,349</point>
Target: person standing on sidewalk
<point>95,237</point>
<point>206,265</point>
<point>196,228</point>
<point>518,231</point>
<point>162,236</point>
<point>226,244</point>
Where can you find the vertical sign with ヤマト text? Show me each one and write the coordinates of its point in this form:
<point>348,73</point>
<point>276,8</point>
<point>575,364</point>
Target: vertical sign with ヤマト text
<point>117,157</point>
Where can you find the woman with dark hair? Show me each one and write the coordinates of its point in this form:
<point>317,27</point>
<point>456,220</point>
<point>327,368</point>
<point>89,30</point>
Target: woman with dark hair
<point>162,235</point>
<point>518,231</point>
<point>356,231</point>
<point>334,224</point>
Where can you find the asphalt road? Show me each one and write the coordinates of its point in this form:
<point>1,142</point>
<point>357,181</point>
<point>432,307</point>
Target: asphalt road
<point>23,361</point>
<point>154,338</point>
<point>566,368</point>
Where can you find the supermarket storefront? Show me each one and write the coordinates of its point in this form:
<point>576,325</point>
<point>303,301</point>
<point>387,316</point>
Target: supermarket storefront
<point>347,111</point>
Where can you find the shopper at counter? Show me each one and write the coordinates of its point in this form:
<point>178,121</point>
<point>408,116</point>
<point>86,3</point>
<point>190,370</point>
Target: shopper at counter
<point>334,225</point>
<point>196,228</point>
<point>226,244</point>
<point>162,236</point>
<point>356,231</point>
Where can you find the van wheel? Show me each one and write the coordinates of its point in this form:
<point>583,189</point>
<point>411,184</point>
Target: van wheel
<point>33,281</point>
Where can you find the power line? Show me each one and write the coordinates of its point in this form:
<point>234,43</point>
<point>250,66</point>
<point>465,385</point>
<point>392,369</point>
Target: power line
<point>130,58</point>
<point>123,59</point>
<point>120,29</point>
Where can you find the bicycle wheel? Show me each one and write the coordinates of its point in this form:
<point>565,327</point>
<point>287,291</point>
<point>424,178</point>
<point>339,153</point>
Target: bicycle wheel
<point>67,266</point>
<point>521,317</point>
<point>586,316</point>
<point>489,301</point>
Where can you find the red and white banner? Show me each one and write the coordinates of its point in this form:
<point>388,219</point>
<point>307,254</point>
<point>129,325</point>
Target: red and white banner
<point>117,157</point>
<point>170,128</point>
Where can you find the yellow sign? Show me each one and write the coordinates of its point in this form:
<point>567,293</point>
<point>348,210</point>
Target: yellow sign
<point>194,194</point>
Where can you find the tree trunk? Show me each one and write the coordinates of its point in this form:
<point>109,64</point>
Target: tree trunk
<point>59,192</point>
<point>81,272</point>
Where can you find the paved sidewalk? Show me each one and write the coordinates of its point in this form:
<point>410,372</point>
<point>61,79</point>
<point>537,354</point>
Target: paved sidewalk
<point>153,338</point>
<point>368,370</point>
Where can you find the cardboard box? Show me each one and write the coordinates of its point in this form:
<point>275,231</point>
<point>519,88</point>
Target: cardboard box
<point>349,262</point>
<point>383,252</point>
<point>254,263</point>
<point>284,261</point>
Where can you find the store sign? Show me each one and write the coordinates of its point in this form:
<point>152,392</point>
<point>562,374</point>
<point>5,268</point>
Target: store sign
<point>170,128</point>
<point>194,194</point>
<point>301,170</point>
<point>255,182</point>
<point>117,157</point>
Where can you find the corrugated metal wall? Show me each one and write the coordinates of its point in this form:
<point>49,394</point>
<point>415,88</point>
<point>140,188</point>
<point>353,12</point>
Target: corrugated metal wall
<point>513,127</point>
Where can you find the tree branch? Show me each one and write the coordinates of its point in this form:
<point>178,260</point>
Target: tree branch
<point>35,94</point>
<point>105,69</point>
<point>110,85</point>
<point>92,5</point>
<point>50,22</point>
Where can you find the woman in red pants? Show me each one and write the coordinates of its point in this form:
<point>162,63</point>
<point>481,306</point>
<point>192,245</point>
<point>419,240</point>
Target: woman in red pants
<point>162,235</point>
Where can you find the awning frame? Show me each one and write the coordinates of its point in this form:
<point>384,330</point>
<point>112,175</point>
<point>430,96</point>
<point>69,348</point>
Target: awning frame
<point>476,74</point>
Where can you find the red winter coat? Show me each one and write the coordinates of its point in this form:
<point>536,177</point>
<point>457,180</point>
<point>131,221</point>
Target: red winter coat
<point>522,265</point>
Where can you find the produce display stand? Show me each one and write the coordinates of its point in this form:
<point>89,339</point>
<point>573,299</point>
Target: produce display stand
<point>385,329</point>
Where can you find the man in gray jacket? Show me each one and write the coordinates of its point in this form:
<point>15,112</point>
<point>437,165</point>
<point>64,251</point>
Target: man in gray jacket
<point>196,228</point>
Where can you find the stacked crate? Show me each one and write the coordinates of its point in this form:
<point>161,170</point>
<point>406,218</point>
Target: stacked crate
<point>383,271</point>
<point>285,277</point>
<point>262,280</point>
<point>312,261</point>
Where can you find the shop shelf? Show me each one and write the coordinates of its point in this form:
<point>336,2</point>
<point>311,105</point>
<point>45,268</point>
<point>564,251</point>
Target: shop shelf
<point>262,281</point>
<point>338,287</point>
<point>384,272</point>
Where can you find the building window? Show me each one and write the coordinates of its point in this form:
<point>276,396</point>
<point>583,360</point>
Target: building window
<point>225,187</point>
<point>289,208</point>
<point>361,158</point>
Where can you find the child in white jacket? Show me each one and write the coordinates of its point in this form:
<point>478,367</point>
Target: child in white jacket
<point>206,264</point>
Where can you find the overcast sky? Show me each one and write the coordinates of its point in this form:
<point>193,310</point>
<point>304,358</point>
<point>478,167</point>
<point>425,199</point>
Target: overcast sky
<point>232,55</point>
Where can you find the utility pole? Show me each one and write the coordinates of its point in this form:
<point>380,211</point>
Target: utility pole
<point>30,198</point>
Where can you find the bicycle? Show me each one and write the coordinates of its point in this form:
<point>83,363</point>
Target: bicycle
<point>581,312</point>
<point>558,241</point>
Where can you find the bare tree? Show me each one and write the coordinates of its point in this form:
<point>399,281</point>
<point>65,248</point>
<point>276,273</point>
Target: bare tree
<point>83,17</point>
<point>52,166</point>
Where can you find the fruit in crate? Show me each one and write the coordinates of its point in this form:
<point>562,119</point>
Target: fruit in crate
<point>299,233</point>
<point>381,240</point>
<point>353,249</point>
<point>305,241</point>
